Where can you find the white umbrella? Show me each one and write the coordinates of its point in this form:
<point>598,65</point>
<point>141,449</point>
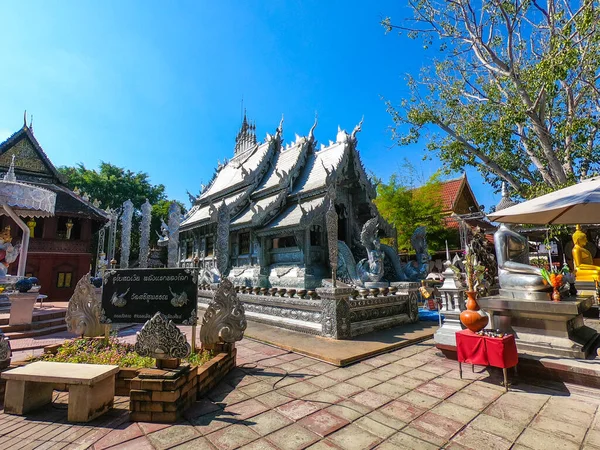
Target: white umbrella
<point>577,204</point>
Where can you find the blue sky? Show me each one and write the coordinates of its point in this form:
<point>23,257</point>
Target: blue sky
<point>157,86</point>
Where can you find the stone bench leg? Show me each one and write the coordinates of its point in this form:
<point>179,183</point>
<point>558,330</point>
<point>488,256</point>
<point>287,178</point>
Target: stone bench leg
<point>24,396</point>
<point>88,402</point>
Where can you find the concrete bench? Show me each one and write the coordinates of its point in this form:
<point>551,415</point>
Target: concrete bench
<point>91,388</point>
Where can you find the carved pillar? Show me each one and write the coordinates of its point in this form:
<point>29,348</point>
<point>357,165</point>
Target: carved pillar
<point>145,234</point>
<point>174,222</point>
<point>335,319</point>
<point>126,233</point>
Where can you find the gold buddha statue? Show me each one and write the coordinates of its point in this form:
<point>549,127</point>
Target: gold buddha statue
<point>583,261</point>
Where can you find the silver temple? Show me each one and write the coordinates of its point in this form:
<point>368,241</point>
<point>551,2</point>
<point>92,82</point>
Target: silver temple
<point>282,243</point>
<point>277,195</point>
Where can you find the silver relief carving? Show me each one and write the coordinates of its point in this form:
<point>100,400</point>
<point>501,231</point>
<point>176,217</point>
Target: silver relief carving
<point>83,311</point>
<point>145,234</point>
<point>5,351</point>
<point>126,219</point>
<point>224,320</point>
<point>160,338</point>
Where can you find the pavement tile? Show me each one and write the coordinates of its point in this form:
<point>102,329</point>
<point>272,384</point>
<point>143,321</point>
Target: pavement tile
<point>455,412</point>
<point>426,436</point>
<point>390,389</point>
<point>530,402</point>
<point>375,427</point>
<point>540,440</point>
<point>200,443</point>
<point>141,443</point>
<point>200,408</point>
<point>405,412</point>
<point>273,399</point>
<point>341,374</point>
<point>348,410</point>
<point>123,433</point>
<point>397,368</point>
<point>229,397</point>
<point>323,444</point>
<point>436,390</point>
<point>293,437</point>
<point>382,374</point>
<point>476,439</point>
<point>289,367</point>
<point>574,404</point>
<point>323,399</point>
<point>421,375</point>
<point>245,410</point>
<point>412,361</point>
<point>323,423</point>
<point>386,419</point>
<point>255,389</point>
<point>451,382</point>
<point>260,444</point>
<point>567,415</point>
<point>297,409</point>
<point>364,381</point>
<point>408,442</point>
<point>323,381</point>
<point>232,437</point>
<point>507,429</point>
<point>469,400</point>
<point>592,438</point>
<point>371,399</point>
<point>439,425</point>
<point>510,412</point>
<point>211,422</point>
<point>377,361</point>
<point>344,389</point>
<point>563,430</point>
<point>435,367</point>
<point>482,391</point>
<point>353,437</point>
<point>148,427</point>
<point>173,435</point>
<point>406,382</point>
<point>322,367</point>
<point>420,400</point>
<point>298,390</point>
<point>268,422</point>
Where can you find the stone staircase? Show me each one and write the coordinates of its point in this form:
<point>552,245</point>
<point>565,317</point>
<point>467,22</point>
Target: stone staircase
<point>45,321</point>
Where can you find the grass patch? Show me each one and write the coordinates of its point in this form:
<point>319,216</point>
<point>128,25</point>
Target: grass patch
<point>100,351</point>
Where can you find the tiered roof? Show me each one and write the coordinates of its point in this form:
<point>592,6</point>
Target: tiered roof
<point>270,186</point>
<point>33,166</point>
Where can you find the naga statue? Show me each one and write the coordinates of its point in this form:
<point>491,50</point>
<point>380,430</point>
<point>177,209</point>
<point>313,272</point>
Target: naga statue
<point>418,270</point>
<point>371,269</point>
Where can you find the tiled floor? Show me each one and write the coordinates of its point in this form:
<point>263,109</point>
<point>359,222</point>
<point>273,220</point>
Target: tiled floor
<point>408,399</point>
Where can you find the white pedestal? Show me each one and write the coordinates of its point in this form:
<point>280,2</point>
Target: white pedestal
<point>21,308</point>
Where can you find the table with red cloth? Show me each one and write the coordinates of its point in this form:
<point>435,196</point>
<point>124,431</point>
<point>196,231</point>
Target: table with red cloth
<point>483,350</point>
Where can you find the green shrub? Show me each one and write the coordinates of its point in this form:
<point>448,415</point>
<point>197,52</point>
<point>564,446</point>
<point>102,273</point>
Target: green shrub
<point>101,351</point>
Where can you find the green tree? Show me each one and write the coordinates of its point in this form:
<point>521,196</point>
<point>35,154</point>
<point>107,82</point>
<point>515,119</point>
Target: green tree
<point>513,90</point>
<point>407,206</point>
<point>112,186</point>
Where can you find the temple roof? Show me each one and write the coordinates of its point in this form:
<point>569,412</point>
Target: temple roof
<point>33,166</point>
<point>273,186</point>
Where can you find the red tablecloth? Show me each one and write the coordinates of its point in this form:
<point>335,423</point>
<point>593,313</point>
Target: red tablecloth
<point>486,351</point>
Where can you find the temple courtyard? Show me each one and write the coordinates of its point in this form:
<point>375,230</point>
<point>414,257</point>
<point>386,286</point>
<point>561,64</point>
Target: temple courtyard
<point>411,398</point>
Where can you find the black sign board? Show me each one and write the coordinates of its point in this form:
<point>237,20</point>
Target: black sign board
<point>135,295</point>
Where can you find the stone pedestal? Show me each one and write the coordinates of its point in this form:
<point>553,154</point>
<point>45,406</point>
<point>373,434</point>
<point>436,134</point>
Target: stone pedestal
<point>335,320</point>
<point>542,326</point>
<point>21,308</point>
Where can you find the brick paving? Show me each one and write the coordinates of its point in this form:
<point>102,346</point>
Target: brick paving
<point>411,398</point>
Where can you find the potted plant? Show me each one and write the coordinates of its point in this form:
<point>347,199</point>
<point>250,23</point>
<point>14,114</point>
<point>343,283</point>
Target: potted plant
<point>472,317</point>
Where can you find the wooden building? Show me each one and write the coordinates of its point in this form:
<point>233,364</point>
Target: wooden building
<point>60,250</point>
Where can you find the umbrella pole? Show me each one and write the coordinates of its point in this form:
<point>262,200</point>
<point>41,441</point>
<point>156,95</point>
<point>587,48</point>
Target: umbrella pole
<point>25,241</point>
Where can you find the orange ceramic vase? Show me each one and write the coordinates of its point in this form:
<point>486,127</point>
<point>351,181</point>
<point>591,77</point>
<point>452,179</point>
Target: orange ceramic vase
<point>472,317</point>
<point>556,297</point>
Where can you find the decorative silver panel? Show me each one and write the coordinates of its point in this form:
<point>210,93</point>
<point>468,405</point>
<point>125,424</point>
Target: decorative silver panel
<point>174,222</point>
<point>222,244</point>
<point>224,320</point>
<point>331,219</point>
<point>160,338</point>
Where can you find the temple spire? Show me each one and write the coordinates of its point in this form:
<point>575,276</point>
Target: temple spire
<point>246,137</point>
